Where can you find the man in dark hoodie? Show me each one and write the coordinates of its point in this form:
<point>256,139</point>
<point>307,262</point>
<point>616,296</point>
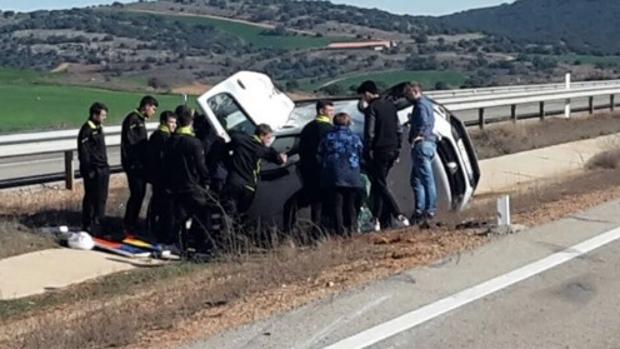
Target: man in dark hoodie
<point>187,176</point>
<point>159,215</point>
<point>134,158</point>
<point>309,167</point>
<point>94,168</point>
<point>382,142</point>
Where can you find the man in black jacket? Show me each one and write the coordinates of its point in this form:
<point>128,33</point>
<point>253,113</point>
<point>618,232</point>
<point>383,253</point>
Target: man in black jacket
<point>382,142</point>
<point>187,176</point>
<point>244,167</point>
<point>309,167</point>
<point>134,158</point>
<point>94,169</point>
<point>159,215</point>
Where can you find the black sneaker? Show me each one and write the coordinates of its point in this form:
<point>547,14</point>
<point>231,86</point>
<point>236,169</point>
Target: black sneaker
<point>416,219</point>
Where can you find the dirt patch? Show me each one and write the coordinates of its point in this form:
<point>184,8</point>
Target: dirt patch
<point>509,138</point>
<point>180,303</point>
<point>195,89</point>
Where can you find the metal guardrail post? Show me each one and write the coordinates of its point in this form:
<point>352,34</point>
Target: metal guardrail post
<point>612,102</point>
<point>513,112</point>
<point>591,105</point>
<point>481,118</point>
<point>542,110</point>
<point>69,170</point>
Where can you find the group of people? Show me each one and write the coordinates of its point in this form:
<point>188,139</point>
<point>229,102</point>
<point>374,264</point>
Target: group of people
<point>189,169</point>
<point>181,161</point>
<point>334,163</point>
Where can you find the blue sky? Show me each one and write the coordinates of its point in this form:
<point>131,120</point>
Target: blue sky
<point>413,7</point>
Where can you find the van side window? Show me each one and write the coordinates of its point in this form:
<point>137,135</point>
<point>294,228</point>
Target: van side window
<point>230,114</point>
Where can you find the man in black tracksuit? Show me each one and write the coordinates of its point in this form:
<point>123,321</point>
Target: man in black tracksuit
<point>159,216</point>
<point>94,169</point>
<point>134,158</point>
<point>382,142</point>
<point>309,167</point>
<point>244,167</point>
<point>187,176</point>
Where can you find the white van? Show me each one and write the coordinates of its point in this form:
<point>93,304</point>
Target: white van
<point>247,99</point>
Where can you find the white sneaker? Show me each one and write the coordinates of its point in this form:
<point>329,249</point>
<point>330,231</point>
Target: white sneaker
<point>377,225</point>
<point>403,220</point>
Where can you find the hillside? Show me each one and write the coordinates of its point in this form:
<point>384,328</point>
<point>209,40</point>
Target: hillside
<point>166,45</point>
<point>583,26</point>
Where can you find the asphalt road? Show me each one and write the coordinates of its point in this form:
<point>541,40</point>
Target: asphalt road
<point>554,286</point>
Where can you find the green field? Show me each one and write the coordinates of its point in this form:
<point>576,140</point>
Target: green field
<point>28,104</point>
<point>252,33</point>
<point>428,79</point>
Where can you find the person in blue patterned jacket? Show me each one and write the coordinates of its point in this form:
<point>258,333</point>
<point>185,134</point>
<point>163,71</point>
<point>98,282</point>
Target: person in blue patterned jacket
<point>339,154</point>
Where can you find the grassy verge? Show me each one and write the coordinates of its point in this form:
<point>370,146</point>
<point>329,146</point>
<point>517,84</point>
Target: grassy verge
<point>165,306</point>
<point>509,138</point>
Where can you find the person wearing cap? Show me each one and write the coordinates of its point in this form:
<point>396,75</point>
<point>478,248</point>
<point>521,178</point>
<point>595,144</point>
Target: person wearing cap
<point>94,168</point>
<point>159,212</point>
<point>382,142</point>
<point>134,158</point>
<point>423,148</point>
<point>309,168</point>
<point>339,154</point>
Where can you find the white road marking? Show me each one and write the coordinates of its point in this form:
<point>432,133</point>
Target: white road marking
<point>412,319</point>
<point>342,320</point>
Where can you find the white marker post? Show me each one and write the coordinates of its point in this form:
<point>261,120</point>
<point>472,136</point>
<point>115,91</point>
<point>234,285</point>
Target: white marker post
<point>567,103</point>
<point>503,212</point>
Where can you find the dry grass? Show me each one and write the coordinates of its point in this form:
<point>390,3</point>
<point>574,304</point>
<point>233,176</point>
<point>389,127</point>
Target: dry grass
<point>509,138</point>
<point>160,308</point>
<point>606,160</point>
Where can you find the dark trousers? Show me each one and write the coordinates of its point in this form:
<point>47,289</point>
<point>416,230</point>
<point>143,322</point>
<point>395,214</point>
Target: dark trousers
<point>384,206</point>
<point>309,195</point>
<point>238,198</point>
<point>343,208</point>
<point>160,217</point>
<point>137,191</point>
<point>194,205</point>
<point>96,184</point>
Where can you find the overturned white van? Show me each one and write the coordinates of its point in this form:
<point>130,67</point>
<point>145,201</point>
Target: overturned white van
<point>247,99</point>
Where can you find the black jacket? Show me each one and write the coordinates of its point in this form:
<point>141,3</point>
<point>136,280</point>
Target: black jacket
<point>156,149</point>
<point>244,162</point>
<point>382,129</point>
<point>186,170</point>
<point>91,148</point>
<point>309,140</point>
<point>134,144</point>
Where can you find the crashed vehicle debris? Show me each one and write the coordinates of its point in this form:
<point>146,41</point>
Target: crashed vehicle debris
<point>247,99</point>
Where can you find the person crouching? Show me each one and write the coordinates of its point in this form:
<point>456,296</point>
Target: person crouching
<point>339,154</point>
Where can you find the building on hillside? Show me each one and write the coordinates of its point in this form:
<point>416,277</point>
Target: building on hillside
<point>362,45</point>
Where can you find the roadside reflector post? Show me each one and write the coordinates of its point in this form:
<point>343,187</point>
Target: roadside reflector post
<point>567,102</point>
<point>481,118</point>
<point>612,102</point>
<point>542,110</point>
<point>503,211</point>
<point>69,170</point>
<point>513,112</point>
<point>591,104</point>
